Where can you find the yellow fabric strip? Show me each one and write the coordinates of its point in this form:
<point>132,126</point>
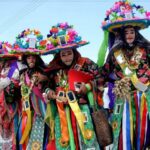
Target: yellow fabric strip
<point>142,104</point>
<point>25,92</point>
<point>87,134</point>
<point>79,116</point>
<point>131,122</point>
<point>27,128</point>
<point>138,84</point>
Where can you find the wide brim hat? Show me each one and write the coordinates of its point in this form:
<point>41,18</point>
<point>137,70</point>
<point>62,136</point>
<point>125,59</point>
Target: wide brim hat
<point>139,23</point>
<point>124,13</point>
<point>63,47</point>
<point>5,51</point>
<point>29,42</point>
<point>121,15</point>
<point>62,36</point>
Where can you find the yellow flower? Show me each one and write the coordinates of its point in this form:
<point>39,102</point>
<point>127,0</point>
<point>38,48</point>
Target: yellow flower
<point>36,145</point>
<point>114,125</point>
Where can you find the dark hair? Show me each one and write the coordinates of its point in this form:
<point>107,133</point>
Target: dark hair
<point>39,65</point>
<point>120,41</point>
<point>57,64</point>
<point>39,62</point>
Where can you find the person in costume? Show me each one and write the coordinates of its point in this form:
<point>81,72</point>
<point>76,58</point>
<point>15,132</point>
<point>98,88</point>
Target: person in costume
<point>74,77</point>
<point>9,96</point>
<point>127,71</point>
<point>33,131</point>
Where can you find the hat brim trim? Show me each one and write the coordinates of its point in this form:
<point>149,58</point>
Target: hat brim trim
<point>9,55</point>
<point>59,48</point>
<point>26,51</point>
<point>141,23</point>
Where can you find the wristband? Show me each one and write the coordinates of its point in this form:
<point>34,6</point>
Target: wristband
<point>47,90</point>
<point>88,87</point>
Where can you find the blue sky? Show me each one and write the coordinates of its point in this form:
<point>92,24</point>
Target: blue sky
<point>85,15</point>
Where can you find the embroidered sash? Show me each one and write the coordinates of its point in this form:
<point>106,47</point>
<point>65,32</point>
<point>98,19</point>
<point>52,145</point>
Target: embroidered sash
<point>129,72</point>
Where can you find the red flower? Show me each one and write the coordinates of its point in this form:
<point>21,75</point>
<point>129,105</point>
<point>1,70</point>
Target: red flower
<point>54,30</point>
<point>43,42</point>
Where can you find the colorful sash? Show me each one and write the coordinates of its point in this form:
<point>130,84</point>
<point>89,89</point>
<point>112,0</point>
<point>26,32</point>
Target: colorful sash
<point>26,91</point>
<point>86,133</point>
<point>37,134</point>
<point>141,118</point>
<point>64,140</point>
<point>58,133</point>
<point>91,143</point>
<point>129,72</point>
<point>116,121</point>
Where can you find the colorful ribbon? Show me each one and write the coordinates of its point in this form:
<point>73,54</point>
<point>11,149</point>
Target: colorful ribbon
<point>87,134</point>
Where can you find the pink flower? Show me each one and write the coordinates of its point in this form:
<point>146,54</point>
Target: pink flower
<point>64,25</point>
<point>117,5</point>
<point>71,39</point>
<point>72,33</point>
<point>49,46</point>
<point>108,13</point>
<point>147,14</point>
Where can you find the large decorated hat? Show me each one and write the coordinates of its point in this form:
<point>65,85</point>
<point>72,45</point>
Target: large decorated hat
<point>5,50</point>
<point>125,13</point>
<point>62,36</point>
<point>29,42</point>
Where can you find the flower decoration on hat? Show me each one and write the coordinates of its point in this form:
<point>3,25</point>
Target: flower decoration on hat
<point>5,50</point>
<point>62,36</point>
<point>125,13</point>
<point>29,41</point>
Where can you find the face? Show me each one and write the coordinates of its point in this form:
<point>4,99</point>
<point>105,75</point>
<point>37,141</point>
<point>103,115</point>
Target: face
<point>67,56</point>
<point>130,35</point>
<point>31,60</point>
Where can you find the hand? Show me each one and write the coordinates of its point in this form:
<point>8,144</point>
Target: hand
<point>42,77</point>
<point>45,98</point>
<point>39,77</point>
<point>51,94</point>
